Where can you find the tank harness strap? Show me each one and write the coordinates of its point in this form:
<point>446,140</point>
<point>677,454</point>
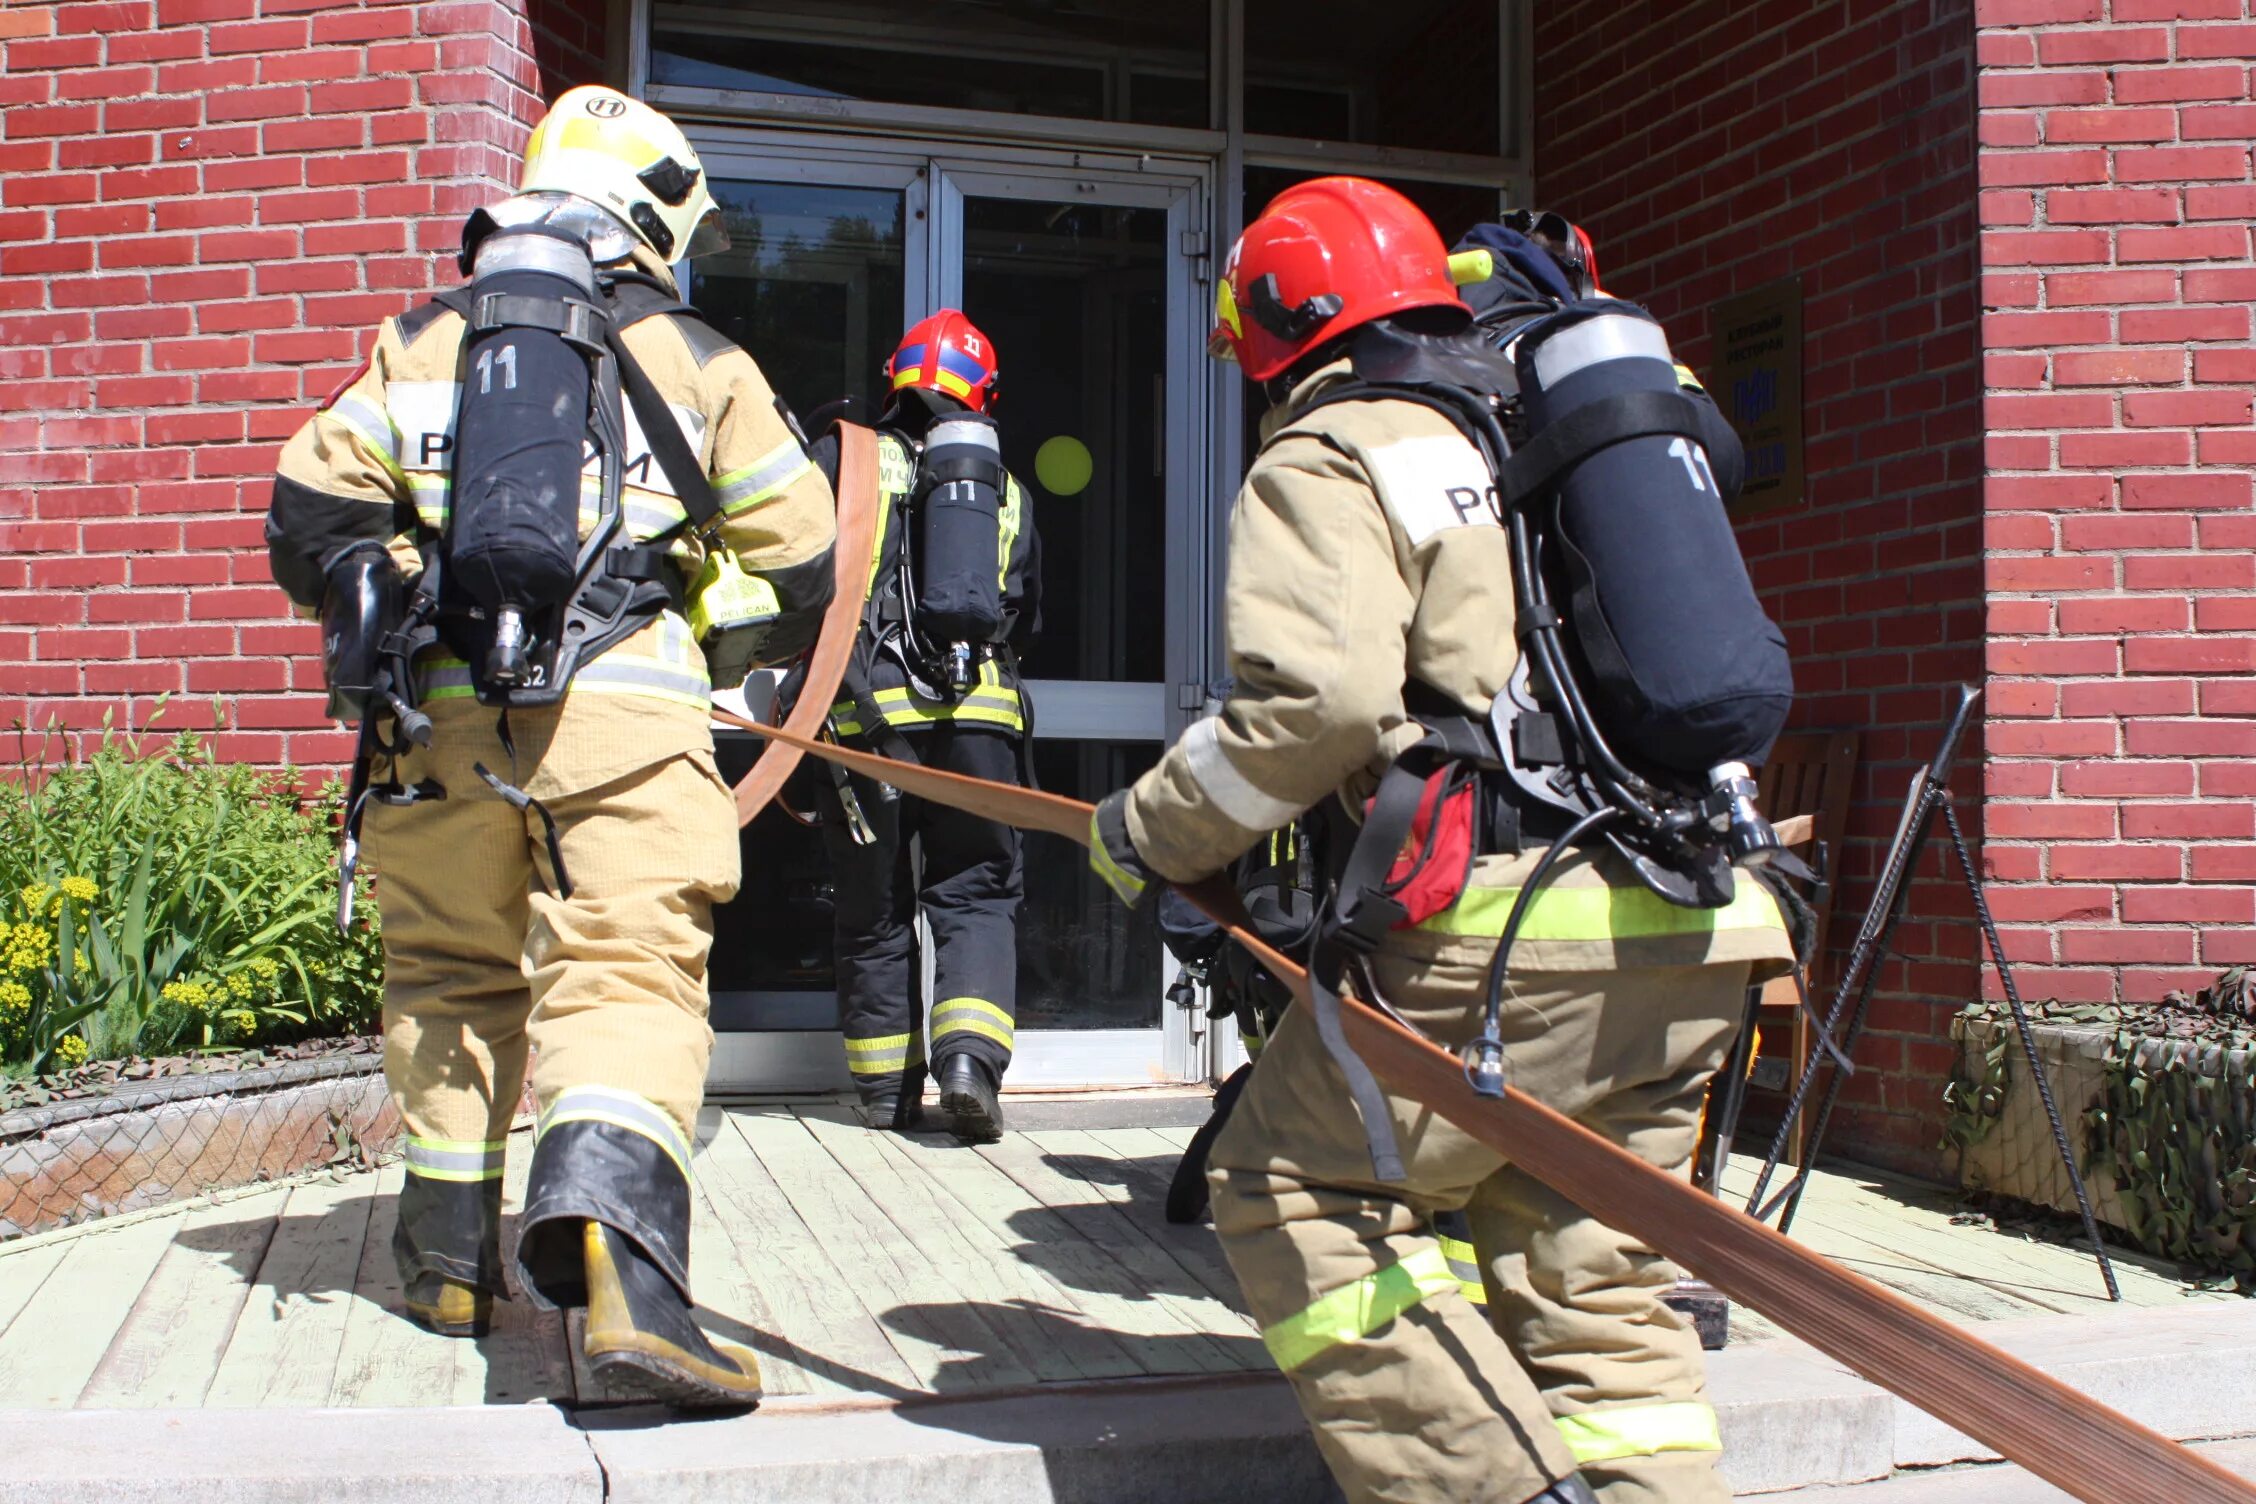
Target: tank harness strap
<point>1535,467</point>
<point>700,507</point>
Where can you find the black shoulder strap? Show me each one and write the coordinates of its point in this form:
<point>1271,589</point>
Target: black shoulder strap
<point>664,436</point>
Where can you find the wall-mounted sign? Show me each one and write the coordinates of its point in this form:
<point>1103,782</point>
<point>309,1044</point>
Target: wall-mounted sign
<point>1757,344</point>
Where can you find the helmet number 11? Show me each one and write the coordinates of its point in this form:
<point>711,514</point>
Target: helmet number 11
<point>507,361</point>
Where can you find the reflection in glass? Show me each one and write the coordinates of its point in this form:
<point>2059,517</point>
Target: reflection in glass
<point>811,284</point>
<point>1092,60</point>
<point>1085,961</point>
<point>1074,297</point>
<point>1429,77</point>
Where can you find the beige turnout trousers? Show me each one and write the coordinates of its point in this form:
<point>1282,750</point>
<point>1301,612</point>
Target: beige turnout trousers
<point>482,960</point>
<point>1416,1395</point>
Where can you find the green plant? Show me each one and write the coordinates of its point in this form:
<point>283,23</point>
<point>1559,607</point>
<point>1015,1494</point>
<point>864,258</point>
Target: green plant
<point>207,915</point>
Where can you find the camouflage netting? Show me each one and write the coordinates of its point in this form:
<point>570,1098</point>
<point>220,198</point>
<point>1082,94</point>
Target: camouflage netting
<point>2160,1103</point>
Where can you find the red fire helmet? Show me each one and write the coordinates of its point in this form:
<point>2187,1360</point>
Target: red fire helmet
<point>1326,256</point>
<point>948,354</point>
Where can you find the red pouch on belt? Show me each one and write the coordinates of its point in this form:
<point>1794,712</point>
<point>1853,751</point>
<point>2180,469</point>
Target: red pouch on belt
<point>1436,859</point>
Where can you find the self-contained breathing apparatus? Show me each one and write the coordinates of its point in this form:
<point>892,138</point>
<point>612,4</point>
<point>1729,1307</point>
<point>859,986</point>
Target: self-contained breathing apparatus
<point>508,582</point>
<point>942,614</point>
<point>1649,683</point>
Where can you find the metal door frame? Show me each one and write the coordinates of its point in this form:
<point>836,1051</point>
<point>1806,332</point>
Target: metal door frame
<point>935,179</point>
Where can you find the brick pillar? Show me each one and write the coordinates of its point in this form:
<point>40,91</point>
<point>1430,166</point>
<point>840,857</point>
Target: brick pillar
<point>1713,146</point>
<point>205,207</point>
<point>2116,195</point>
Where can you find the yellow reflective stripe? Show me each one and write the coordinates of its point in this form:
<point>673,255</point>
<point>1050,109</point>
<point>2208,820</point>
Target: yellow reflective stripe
<point>961,1015</point>
<point>1641,1431</point>
<point>1464,1265</point>
<point>1602,914</point>
<point>620,1109</point>
<point>742,489</point>
<point>880,1056</point>
<point>373,429</point>
<point>1358,1309</point>
<point>460,1160</point>
<point>1116,877</point>
<point>1014,511</point>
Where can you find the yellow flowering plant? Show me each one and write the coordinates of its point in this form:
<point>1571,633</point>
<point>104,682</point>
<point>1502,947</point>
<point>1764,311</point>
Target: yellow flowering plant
<point>153,898</point>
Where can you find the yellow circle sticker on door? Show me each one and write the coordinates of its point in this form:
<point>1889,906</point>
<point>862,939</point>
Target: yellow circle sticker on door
<point>1063,465</point>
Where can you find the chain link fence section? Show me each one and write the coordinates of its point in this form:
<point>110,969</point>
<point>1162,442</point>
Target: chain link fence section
<point>127,1144</point>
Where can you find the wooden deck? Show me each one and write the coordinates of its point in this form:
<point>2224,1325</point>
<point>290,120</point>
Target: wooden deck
<point>855,1263</point>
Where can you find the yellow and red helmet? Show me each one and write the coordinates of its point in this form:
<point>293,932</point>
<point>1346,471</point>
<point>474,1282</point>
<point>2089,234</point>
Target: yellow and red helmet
<point>946,353</point>
<point>1326,256</point>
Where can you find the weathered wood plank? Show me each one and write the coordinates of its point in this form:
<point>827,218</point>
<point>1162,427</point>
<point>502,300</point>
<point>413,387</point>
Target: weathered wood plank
<point>721,1275</point>
<point>1074,1175</point>
<point>384,1358</point>
<point>821,1330</point>
<point>22,1272</point>
<point>52,1348</point>
<point>949,1346</point>
<point>1914,1222</point>
<point>284,1350</point>
<point>1130,1168</point>
<point>169,1348</point>
<point>1116,1280</point>
<point>1041,1323</point>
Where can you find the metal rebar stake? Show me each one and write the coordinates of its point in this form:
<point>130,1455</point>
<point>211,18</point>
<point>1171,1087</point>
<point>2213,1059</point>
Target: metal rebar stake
<point>2029,1049</point>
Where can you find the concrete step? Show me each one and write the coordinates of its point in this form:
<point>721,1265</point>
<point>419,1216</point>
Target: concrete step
<point>1796,1427</point>
<point>1985,1484</point>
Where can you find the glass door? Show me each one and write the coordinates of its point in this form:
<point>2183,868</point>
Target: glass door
<point>1084,282</point>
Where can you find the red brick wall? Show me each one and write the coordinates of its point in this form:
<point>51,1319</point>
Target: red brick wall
<point>1712,147</point>
<point>205,205</point>
<point>2116,196</point>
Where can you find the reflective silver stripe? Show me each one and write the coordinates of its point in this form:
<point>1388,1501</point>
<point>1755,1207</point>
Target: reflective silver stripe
<point>452,1159</point>
<point>881,1056</point>
<point>770,473</point>
<point>1229,790</point>
<point>529,252</point>
<point>620,1109</point>
<point>1609,336</point>
<point>444,679</point>
<point>972,431</point>
<point>370,424</point>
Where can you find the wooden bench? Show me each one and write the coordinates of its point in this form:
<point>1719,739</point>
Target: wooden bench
<point>1809,773</point>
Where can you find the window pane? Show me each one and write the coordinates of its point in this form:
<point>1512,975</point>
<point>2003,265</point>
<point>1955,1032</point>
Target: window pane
<point>1074,297</point>
<point>1084,960</point>
<point>810,284</point>
<point>1097,60</point>
<point>1423,76</point>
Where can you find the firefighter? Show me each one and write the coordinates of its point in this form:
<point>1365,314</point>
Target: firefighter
<point>1368,588</point>
<point>955,582</point>
<point>551,853</point>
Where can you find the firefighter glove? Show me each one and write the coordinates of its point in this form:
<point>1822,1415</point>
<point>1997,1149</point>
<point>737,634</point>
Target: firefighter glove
<point>1112,856</point>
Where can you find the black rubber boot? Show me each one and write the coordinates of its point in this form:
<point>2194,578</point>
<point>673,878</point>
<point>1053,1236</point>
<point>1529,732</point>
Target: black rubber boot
<point>901,1111</point>
<point>449,1307</point>
<point>1566,1491</point>
<point>447,1244</point>
<point>969,1096</point>
<point>642,1338</point>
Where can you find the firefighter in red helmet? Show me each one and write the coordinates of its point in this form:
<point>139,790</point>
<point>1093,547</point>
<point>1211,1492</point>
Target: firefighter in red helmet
<point>954,594</point>
<point>1369,611</point>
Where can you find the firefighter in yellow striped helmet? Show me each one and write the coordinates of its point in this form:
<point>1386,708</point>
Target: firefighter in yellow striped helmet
<point>550,827</point>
